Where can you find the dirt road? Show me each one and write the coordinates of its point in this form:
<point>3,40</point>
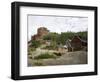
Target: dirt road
<point>69,58</point>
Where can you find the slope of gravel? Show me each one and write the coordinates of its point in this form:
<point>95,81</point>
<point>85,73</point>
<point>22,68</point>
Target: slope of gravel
<point>70,58</point>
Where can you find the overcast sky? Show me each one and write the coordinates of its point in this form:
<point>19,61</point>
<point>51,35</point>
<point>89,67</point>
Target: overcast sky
<point>56,24</point>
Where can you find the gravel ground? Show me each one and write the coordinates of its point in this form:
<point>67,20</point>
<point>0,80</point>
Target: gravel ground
<point>69,58</point>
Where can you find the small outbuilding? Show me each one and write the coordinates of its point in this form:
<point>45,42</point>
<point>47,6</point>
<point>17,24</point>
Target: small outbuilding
<point>76,43</point>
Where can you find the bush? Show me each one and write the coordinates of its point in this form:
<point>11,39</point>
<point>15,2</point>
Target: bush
<point>38,63</point>
<point>57,54</point>
<point>35,44</point>
<point>51,47</point>
<point>48,47</point>
<point>45,56</point>
<point>51,36</point>
<point>29,53</point>
<point>30,49</point>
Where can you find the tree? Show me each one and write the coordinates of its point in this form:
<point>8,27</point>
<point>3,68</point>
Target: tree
<point>51,36</point>
<point>83,35</point>
<point>64,36</point>
<point>56,38</point>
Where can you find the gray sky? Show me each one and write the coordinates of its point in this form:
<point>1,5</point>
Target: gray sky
<point>56,24</point>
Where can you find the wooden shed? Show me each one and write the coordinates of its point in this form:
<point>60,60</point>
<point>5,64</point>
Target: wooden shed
<point>76,43</point>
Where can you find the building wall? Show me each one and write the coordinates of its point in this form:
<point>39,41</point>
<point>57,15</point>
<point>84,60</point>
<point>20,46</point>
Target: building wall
<point>76,43</point>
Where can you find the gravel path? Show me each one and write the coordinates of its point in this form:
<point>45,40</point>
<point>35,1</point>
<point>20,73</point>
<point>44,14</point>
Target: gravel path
<point>79,57</point>
<point>69,58</point>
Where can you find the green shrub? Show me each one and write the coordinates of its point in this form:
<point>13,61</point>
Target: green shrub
<point>45,56</point>
<point>57,54</point>
<point>38,63</point>
<point>29,53</point>
<point>30,57</point>
<point>33,49</point>
<point>35,44</point>
<point>50,47</point>
<point>30,49</point>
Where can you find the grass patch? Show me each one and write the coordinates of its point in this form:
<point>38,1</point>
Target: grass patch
<point>45,56</point>
<point>38,63</point>
<point>30,49</point>
<point>29,53</point>
<point>50,47</point>
<point>35,43</point>
<point>30,57</point>
<point>57,54</point>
